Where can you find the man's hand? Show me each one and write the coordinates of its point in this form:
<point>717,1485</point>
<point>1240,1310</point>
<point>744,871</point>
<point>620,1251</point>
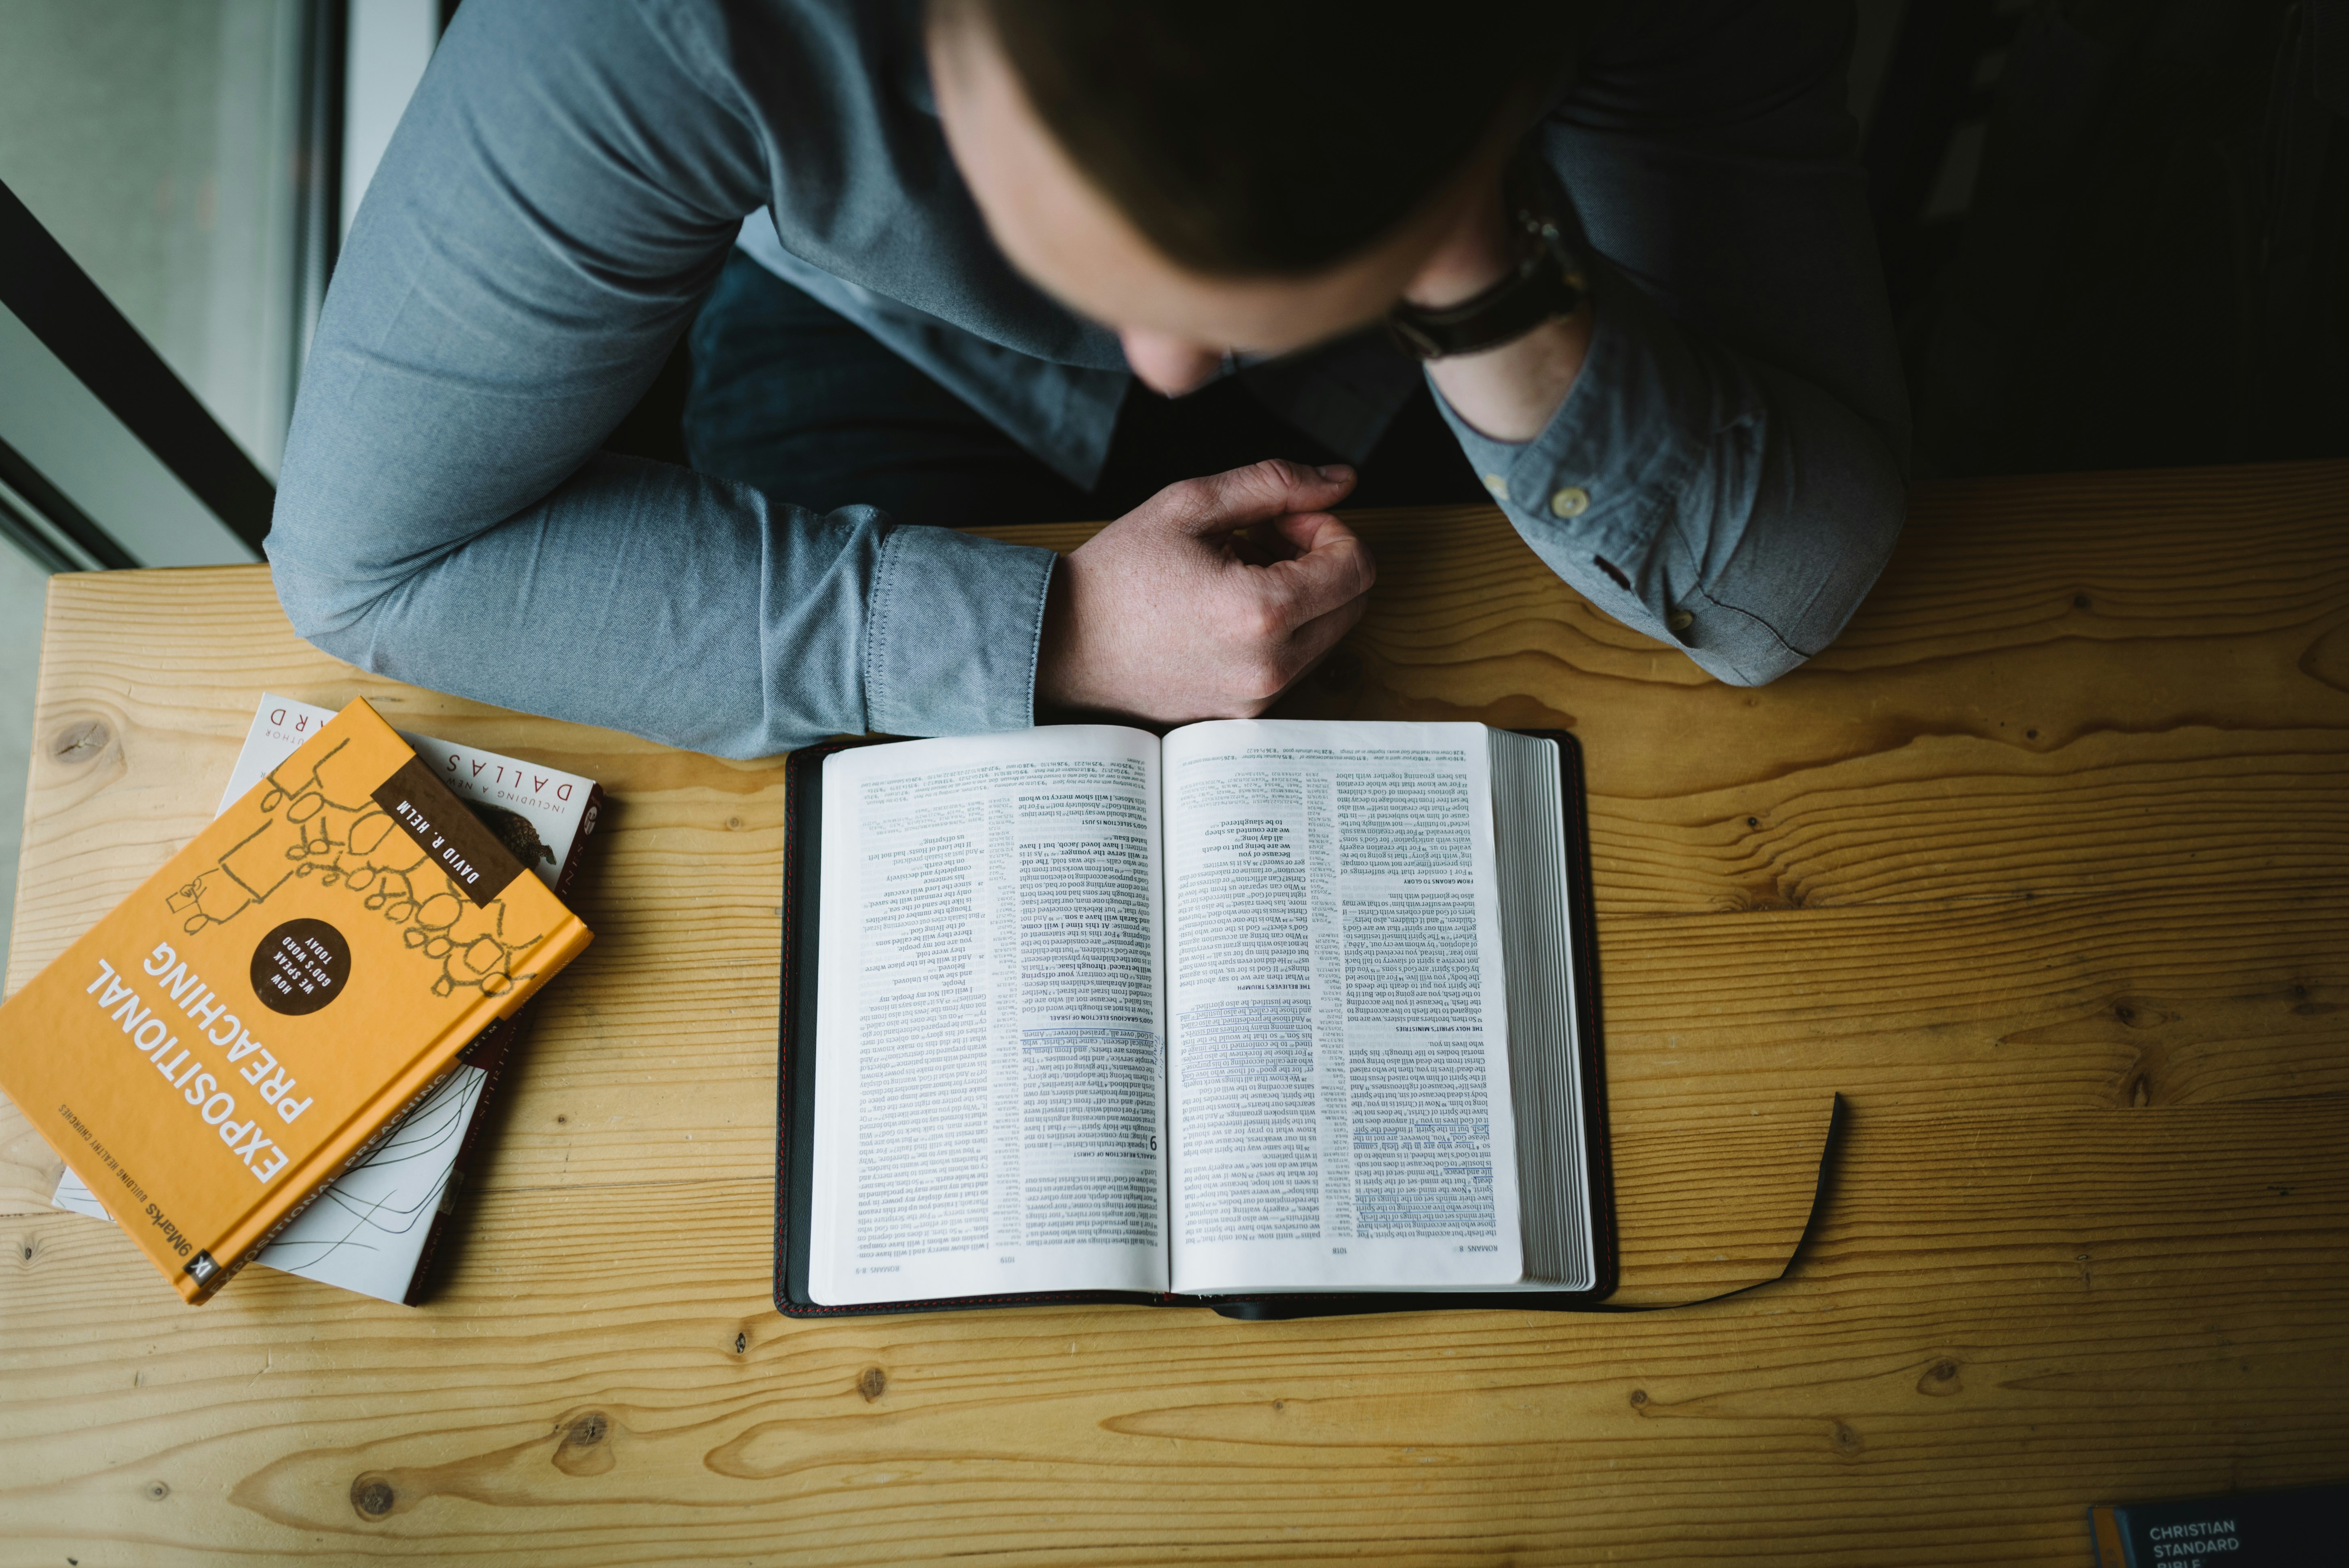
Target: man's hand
<point>1208,599</point>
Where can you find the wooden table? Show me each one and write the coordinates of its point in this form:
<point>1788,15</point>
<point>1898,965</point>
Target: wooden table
<point>2042,866</point>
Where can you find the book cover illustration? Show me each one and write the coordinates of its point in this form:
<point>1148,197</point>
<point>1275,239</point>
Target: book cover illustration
<point>543,815</point>
<point>365,1230</point>
<point>303,972</point>
<point>424,870</point>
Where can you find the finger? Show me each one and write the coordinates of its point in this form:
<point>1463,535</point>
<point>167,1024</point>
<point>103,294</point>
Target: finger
<point>1336,570</point>
<point>1257,544</point>
<point>1311,642</point>
<point>1309,646</point>
<point>1262,543</point>
<point>1219,503</point>
<point>1302,530</point>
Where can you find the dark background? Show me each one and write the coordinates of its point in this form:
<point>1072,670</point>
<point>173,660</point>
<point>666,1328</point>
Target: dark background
<point>2116,232</point>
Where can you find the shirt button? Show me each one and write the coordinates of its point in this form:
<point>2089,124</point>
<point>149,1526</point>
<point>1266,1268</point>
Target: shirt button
<point>1680,620</point>
<point>1498,486</point>
<point>1571,501</point>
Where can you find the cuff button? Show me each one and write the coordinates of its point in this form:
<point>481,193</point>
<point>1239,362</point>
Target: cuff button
<point>1680,621</point>
<point>1498,486</point>
<point>1571,501</point>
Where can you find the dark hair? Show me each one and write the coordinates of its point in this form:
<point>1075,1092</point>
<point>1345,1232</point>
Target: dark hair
<point>1255,137</point>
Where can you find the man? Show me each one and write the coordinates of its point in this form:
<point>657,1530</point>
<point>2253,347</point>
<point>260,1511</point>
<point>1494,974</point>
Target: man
<point>1632,237</point>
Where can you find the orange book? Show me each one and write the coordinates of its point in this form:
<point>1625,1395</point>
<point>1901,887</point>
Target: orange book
<point>237,1031</point>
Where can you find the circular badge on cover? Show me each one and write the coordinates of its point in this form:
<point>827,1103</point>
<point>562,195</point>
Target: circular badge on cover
<point>300,967</point>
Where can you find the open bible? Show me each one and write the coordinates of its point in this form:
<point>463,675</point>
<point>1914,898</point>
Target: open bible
<point>1280,1016</point>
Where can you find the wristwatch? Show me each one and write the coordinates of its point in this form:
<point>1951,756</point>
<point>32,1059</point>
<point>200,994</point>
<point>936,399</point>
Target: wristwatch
<point>1548,283</point>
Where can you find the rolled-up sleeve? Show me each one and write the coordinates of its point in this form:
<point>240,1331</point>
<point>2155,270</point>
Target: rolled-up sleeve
<point>1726,473</point>
<point>555,202</point>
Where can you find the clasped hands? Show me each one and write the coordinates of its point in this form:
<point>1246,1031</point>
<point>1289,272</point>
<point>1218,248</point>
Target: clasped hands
<point>1211,598</point>
<point>1208,600</point>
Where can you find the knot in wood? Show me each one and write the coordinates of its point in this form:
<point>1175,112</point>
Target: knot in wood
<point>1846,1441</point>
<point>79,742</point>
<point>157,1492</point>
<point>372,1496</point>
<point>1639,1398</point>
<point>871,1383</point>
<point>583,1450</point>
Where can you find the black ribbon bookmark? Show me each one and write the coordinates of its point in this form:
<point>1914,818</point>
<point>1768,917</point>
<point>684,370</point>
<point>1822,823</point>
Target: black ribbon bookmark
<point>1266,1308</point>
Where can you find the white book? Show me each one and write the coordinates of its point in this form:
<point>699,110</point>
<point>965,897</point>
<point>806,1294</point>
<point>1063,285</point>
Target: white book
<point>370,1229</point>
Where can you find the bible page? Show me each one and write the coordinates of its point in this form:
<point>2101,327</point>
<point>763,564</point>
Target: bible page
<point>1338,1061</point>
<point>990,1064</point>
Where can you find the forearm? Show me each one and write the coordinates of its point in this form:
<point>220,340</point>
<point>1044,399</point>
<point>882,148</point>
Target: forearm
<point>681,608</point>
<point>1711,451</point>
<point>562,189</point>
<point>1508,392</point>
<point>1699,495</point>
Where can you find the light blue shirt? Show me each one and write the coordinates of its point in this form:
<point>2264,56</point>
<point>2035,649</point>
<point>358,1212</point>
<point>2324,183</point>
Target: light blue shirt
<point>572,174</point>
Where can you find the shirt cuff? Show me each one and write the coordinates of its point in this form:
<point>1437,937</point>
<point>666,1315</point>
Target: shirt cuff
<point>951,633</point>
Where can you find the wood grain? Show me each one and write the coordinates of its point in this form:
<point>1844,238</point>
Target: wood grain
<point>2041,866</point>
<point>2006,1313</point>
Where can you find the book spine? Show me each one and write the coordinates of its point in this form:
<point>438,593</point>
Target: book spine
<point>491,1051</point>
<point>494,1051</point>
<point>253,1235</point>
<point>221,1277</point>
<point>2112,1542</point>
<point>588,817</point>
<point>495,1048</point>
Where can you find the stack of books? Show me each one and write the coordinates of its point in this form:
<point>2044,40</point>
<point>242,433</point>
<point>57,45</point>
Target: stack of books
<point>276,1049</point>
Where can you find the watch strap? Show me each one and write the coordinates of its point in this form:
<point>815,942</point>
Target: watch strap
<point>1546,284</point>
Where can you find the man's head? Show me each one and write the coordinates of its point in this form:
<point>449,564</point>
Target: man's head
<point>1253,174</point>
